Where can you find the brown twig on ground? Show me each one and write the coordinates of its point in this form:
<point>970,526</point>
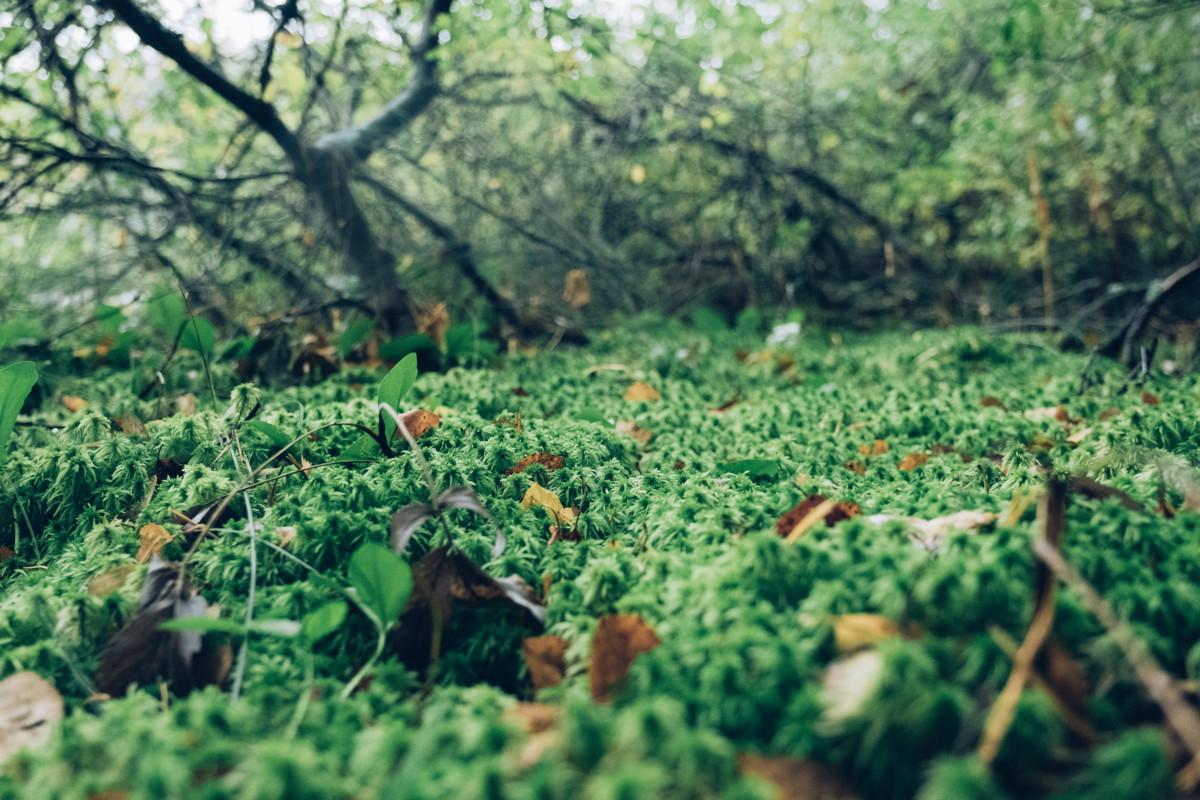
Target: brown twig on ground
<point>1121,344</point>
<point>1053,512</point>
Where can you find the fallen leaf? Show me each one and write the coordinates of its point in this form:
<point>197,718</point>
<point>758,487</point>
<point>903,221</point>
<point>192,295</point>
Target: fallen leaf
<point>131,425</point>
<point>545,658</point>
<point>728,404</point>
<point>185,405</point>
<point>626,427</point>
<point>29,709</point>
<point>73,403</point>
<point>520,392</point>
<point>856,466</point>
<point>537,720</point>
<point>140,653</point>
<point>576,291</point>
<point>1109,413</point>
<point>875,448</point>
<point>420,422</point>
<point>1078,436</point>
<point>538,496</point>
<point>105,583</point>
<point>848,683</point>
<point>641,392</point>
<point>987,401</point>
<point>548,460</point>
<point>153,538</point>
<point>1150,398</point>
<point>853,632</point>
<point>841,510</point>
<point>795,778</point>
<point>912,461</point>
<point>7,554</point>
<point>618,641</point>
<point>815,515</point>
<point>286,534</point>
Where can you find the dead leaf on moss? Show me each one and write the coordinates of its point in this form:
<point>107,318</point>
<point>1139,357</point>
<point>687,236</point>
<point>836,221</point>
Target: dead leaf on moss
<point>105,583</point>
<point>537,720</point>
<point>7,554</point>
<point>641,392</point>
<point>795,778</point>
<point>875,448</point>
<point>728,404</point>
<point>1109,413</point>
<point>627,427</point>
<point>29,709</point>
<point>185,405</point>
<point>856,466</point>
<point>1078,436</point>
<point>912,461</point>
<point>1150,398</point>
<point>815,515</point>
<point>286,534</point>
<point>153,538</point>
<point>987,401</point>
<point>841,510</point>
<point>855,631</point>
<point>618,641</point>
<point>131,425</point>
<point>546,660</point>
<point>577,292</point>
<point>538,496</point>
<point>550,461</point>
<point>74,404</point>
<point>420,422</point>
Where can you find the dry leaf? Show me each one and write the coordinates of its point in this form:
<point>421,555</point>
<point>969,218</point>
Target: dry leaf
<point>29,709</point>
<point>640,392</point>
<point>7,554</point>
<point>577,292</point>
<point>619,640</point>
<point>627,427</point>
<point>1109,413</point>
<point>795,778</point>
<point>73,403</point>
<point>420,422</point>
<point>105,583</point>
<point>308,237</point>
<point>841,510</point>
<point>912,461</point>
<point>131,425</point>
<point>286,534</point>
<point>855,631</point>
<point>153,538</point>
<point>537,720</point>
<point>816,514</point>
<point>856,466</point>
<point>987,401</point>
<point>849,683</point>
<point>1078,436</point>
<point>1150,398</point>
<point>546,659</point>
<point>185,404</point>
<point>538,496</point>
<point>875,448</point>
<point>548,460</point>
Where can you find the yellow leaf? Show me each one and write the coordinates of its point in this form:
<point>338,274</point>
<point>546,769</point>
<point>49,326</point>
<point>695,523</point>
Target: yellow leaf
<point>637,174</point>
<point>74,403</point>
<point>153,538</point>
<point>855,631</point>
<point>538,496</point>
<point>629,428</point>
<point>639,392</point>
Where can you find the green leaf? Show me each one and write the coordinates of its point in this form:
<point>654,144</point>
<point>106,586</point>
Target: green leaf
<point>753,467</point>
<point>381,580</point>
<point>591,414</point>
<point>355,334</point>
<point>167,312</point>
<point>394,386</point>
<point>198,334</point>
<point>275,436</point>
<point>16,382</point>
<point>318,624</point>
<point>202,624</point>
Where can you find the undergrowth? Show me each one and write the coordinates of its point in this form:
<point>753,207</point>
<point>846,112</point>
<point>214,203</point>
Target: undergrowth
<point>665,530</point>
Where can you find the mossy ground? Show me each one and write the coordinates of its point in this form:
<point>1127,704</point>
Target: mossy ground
<point>745,620</point>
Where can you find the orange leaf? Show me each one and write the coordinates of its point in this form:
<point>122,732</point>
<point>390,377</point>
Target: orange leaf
<point>839,511</point>
<point>420,422</point>
<point>548,460</point>
<point>545,657</point>
<point>912,461</point>
<point>153,538</point>
<point>987,401</point>
<point>619,640</point>
<point>640,392</point>
<point>577,292</point>
<point>875,448</point>
<point>73,403</point>
<point>1150,398</point>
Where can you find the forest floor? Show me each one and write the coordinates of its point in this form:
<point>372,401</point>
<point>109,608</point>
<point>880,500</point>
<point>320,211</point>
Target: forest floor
<point>792,566</point>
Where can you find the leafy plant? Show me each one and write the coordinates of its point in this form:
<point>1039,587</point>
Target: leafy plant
<point>16,382</point>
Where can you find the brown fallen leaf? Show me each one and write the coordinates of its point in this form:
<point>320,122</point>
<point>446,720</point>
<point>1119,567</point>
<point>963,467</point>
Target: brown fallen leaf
<point>577,293</point>
<point>1078,436</point>
<point>728,404</point>
<point>537,720</point>
<point>153,538</point>
<point>7,554</point>
<point>103,584</point>
<point>841,510</point>
<point>29,709</point>
<point>795,778</point>
<point>875,448</point>
<point>626,427</point>
<point>73,403</point>
<point>856,466</point>
<point>618,641</point>
<point>1109,413</point>
<point>815,515</point>
<point>419,422</point>
<point>987,401</point>
<point>1150,398</point>
<point>286,534</point>
<point>641,392</point>
<point>853,632</point>
<point>548,460</point>
<point>131,425</point>
<point>545,658</point>
<point>912,461</point>
<point>185,405</point>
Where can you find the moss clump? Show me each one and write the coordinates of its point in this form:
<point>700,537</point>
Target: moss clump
<point>745,620</point>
